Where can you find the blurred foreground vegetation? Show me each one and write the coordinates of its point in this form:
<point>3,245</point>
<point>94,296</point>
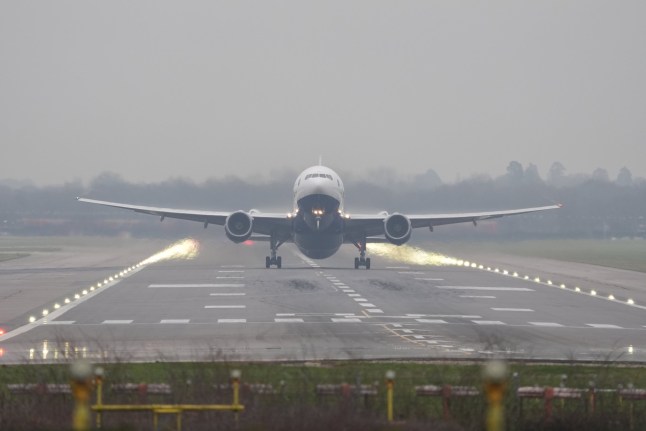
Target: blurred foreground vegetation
<point>294,405</point>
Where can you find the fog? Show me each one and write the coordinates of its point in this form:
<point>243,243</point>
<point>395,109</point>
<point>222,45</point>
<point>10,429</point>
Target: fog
<point>595,205</point>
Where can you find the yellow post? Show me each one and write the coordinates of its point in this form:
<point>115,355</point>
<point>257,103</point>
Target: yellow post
<point>235,383</point>
<point>495,376</point>
<point>98,377</point>
<point>81,387</point>
<point>390,385</point>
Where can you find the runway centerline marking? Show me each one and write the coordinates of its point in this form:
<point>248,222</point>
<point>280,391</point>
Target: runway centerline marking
<point>375,310</point>
<point>367,304</point>
<point>360,299</point>
<point>440,321</point>
<point>180,286</point>
<point>116,322</point>
<point>488,322</point>
<point>494,288</point>
<point>429,279</point>
<point>175,321</point>
<point>345,320</point>
<point>478,296</point>
<point>59,322</point>
<point>229,277</point>
<point>225,306</point>
<point>354,295</point>
<point>289,320</point>
<point>227,294</point>
<point>232,320</point>
<point>512,309</point>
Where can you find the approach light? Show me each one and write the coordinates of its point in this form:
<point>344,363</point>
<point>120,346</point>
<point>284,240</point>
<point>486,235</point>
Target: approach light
<point>77,296</point>
<point>631,302</point>
<point>67,300</point>
<point>593,292</point>
<point>45,312</point>
<point>611,297</point>
<point>32,319</point>
<point>57,306</point>
<point>84,292</point>
<point>577,289</point>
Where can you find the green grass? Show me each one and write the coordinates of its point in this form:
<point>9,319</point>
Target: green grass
<point>296,403</point>
<point>621,254</point>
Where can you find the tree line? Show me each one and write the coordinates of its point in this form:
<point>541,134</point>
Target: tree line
<point>595,205</point>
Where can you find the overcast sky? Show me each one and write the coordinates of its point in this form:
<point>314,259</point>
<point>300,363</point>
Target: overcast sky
<point>198,89</point>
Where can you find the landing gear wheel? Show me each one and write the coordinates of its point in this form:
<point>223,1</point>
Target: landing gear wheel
<point>356,263</point>
<point>279,262</point>
<point>267,262</point>
<point>368,263</point>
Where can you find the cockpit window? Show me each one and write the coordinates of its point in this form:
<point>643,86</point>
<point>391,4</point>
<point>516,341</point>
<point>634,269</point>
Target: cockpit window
<point>328,176</point>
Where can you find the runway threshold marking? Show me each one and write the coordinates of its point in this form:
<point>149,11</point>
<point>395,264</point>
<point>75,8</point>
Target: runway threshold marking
<point>346,320</point>
<point>180,286</point>
<point>440,321</point>
<point>488,322</point>
<point>493,288</point>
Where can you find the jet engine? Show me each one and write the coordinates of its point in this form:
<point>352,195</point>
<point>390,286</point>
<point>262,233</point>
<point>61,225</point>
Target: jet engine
<point>238,226</point>
<point>397,228</point>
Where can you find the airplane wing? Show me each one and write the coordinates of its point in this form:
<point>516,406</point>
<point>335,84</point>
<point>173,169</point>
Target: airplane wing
<point>372,225</point>
<point>263,223</point>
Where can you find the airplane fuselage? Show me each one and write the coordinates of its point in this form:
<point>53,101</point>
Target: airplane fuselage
<point>318,209</point>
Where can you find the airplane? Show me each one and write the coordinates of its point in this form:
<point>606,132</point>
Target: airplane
<point>318,223</point>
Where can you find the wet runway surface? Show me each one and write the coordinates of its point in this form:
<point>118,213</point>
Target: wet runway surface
<point>224,305</point>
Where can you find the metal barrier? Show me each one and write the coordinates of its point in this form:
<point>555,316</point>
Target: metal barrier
<point>162,409</point>
<point>549,394</point>
<point>446,392</point>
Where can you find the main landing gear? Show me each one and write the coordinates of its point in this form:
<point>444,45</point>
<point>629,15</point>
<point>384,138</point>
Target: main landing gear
<point>274,260</point>
<point>362,260</point>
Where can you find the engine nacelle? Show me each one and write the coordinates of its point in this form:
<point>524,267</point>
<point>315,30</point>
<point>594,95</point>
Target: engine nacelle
<point>397,228</point>
<point>238,226</point>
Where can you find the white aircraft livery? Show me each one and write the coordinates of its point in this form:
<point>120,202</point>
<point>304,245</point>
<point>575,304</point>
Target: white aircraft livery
<point>318,223</point>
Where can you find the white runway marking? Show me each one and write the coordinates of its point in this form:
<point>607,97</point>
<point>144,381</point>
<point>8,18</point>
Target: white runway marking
<point>232,320</point>
<point>225,306</point>
<point>459,316</point>
<point>431,321</point>
<point>354,295</point>
<point>285,314</point>
<point>175,321</point>
<point>604,325</point>
<point>231,271</point>
<point>227,294</point>
<point>60,322</point>
<point>227,277</point>
<point>345,319</point>
<point>158,286</point>
<point>407,331</point>
<point>488,322</point>
<point>430,279</point>
<point>288,320</point>
<point>478,296</point>
<point>360,299</point>
<point>116,322</point>
<point>510,289</point>
<point>546,324</point>
<point>367,304</point>
<point>418,337</point>
<point>350,291</point>
<point>512,309</point>
<point>375,310</point>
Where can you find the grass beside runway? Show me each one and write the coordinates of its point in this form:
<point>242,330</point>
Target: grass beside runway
<point>294,403</point>
<point>620,253</point>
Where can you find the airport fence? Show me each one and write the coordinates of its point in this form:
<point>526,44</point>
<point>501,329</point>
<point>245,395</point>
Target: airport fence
<point>187,400</point>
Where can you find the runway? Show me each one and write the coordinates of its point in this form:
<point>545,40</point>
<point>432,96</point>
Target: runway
<point>224,305</point>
